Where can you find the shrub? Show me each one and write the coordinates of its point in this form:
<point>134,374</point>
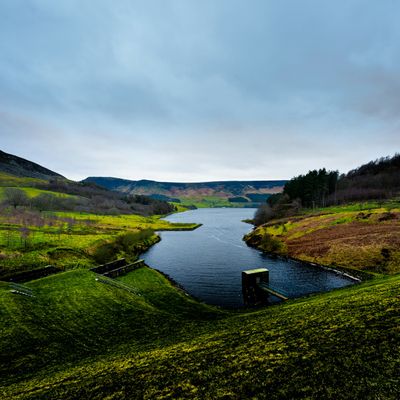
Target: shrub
<point>271,244</point>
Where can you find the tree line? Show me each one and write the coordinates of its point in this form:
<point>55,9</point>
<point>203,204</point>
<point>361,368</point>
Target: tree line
<point>99,202</point>
<point>376,180</point>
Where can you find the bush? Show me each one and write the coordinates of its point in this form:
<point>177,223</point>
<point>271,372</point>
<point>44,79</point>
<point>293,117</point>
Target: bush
<point>270,244</point>
<point>129,244</point>
<point>105,253</point>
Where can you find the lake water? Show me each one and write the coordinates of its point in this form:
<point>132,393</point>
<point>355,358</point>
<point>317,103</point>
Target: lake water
<point>208,261</point>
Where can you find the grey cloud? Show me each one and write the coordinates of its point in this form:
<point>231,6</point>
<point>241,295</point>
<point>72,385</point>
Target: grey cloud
<point>200,89</point>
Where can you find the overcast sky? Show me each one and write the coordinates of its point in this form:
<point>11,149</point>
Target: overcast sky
<point>199,90</point>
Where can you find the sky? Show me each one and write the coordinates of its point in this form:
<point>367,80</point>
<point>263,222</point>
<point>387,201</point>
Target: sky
<point>190,90</point>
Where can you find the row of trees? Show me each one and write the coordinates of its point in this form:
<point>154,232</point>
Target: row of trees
<point>379,179</point>
<point>112,203</point>
<point>313,188</point>
<point>376,180</point>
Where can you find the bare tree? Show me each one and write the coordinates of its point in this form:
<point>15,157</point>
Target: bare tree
<point>15,197</point>
<point>263,214</point>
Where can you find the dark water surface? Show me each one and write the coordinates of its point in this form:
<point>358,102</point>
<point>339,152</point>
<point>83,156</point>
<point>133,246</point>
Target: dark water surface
<point>208,261</point>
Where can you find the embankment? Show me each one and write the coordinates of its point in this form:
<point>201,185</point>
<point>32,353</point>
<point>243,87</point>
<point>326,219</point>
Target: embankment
<point>358,243</point>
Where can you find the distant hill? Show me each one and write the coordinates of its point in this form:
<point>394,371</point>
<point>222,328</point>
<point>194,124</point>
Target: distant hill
<point>232,190</point>
<point>20,167</point>
<point>47,190</point>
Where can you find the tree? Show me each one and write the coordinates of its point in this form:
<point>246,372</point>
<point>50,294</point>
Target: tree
<point>44,202</point>
<point>313,188</point>
<point>15,197</point>
<point>263,214</point>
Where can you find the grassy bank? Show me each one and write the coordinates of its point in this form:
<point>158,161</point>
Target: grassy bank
<point>213,202</point>
<point>79,338</point>
<point>363,236</point>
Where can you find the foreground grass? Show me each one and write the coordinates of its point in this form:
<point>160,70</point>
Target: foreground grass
<point>78,338</point>
<point>357,236</point>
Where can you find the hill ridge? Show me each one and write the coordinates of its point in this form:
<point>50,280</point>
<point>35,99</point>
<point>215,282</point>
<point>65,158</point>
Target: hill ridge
<point>22,167</point>
<point>222,189</point>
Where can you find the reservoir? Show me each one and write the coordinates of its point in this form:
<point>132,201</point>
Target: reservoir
<point>208,261</point>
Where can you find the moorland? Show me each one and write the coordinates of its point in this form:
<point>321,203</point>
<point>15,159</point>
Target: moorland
<point>76,334</point>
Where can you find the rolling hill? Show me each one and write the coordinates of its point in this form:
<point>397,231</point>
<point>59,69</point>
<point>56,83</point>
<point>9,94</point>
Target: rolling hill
<point>54,192</point>
<point>141,338</point>
<point>230,191</point>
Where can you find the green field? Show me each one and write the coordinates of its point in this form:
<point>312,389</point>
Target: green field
<point>80,338</point>
<point>11,180</point>
<point>33,192</point>
<point>213,201</point>
<point>71,239</point>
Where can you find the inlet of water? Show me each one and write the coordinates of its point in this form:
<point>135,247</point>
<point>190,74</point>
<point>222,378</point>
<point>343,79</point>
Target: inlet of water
<point>208,261</point>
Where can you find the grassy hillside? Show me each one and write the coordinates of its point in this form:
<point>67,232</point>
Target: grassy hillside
<point>33,192</point>
<point>70,240</point>
<point>24,183</point>
<point>80,338</point>
<point>364,236</point>
<point>12,180</point>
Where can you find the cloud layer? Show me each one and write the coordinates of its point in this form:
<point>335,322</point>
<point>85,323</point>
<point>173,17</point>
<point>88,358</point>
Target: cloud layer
<point>186,90</point>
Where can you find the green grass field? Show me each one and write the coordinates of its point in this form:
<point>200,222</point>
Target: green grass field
<point>13,181</point>
<point>69,240</point>
<point>33,192</point>
<point>79,338</point>
<point>212,201</point>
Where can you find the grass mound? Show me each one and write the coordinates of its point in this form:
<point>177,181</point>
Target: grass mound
<point>80,338</point>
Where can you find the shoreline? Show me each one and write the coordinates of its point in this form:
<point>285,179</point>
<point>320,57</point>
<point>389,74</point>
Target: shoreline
<point>345,272</point>
<point>357,276</point>
<point>182,229</point>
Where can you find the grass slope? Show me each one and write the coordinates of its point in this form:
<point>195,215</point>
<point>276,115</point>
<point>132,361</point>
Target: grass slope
<point>33,192</point>
<point>78,338</point>
<point>12,180</point>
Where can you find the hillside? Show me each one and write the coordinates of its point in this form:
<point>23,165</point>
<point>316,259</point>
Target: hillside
<point>70,224</point>
<point>223,193</point>
<point>27,184</point>
<point>20,167</point>
<point>141,338</point>
<point>363,236</point>
<point>378,179</point>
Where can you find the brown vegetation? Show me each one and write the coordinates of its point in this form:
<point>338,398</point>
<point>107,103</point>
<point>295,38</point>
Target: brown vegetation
<point>364,241</point>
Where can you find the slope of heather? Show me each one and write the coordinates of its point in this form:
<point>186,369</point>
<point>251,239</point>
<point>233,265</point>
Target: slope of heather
<point>357,236</point>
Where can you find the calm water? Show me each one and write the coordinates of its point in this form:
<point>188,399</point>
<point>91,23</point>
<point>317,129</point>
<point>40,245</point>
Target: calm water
<point>208,261</point>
